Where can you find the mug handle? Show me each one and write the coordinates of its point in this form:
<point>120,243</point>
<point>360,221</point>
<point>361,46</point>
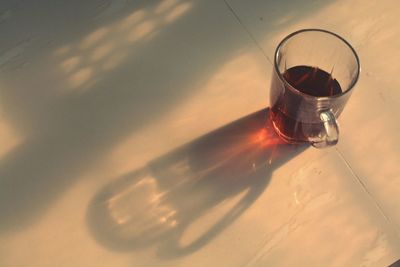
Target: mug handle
<point>329,135</point>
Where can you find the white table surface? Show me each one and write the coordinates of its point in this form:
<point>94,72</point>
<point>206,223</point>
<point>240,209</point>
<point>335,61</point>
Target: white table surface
<point>108,154</point>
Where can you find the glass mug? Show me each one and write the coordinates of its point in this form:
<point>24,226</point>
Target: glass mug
<point>314,73</point>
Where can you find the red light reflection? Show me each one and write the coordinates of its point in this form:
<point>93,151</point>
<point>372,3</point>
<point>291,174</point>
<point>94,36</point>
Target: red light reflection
<point>265,137</point>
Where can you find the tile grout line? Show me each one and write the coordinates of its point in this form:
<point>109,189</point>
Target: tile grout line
<point>368,192</point>
<point>247,31</point>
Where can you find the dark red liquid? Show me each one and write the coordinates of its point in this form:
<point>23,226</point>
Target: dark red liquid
<point>286,104</point>
<point>312,81</point>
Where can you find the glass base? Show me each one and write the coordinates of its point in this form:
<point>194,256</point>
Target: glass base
<point>285,138</point>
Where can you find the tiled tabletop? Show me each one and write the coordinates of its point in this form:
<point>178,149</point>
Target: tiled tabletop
<point>136,133</point>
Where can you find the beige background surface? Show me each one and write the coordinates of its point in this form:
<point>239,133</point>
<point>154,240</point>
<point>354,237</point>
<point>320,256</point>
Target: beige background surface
<point>108,154</point>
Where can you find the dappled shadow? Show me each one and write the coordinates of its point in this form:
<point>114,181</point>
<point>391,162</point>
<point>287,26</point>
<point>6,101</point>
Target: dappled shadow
<point>108,47</point>
<point>71,115</point>
<point>157,203</point>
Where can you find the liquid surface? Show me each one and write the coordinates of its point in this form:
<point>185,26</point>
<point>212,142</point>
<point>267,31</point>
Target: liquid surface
<point>312,81</point>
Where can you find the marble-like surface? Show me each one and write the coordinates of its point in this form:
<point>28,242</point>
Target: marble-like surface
<point>128,137</point>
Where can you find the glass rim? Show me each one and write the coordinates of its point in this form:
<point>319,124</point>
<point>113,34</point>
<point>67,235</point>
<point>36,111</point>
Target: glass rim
<point>288,37</point>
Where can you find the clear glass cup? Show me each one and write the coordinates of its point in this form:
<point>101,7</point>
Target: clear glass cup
<point>298,114</point>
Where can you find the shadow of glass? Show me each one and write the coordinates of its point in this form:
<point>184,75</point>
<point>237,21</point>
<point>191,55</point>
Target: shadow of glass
<point>67,135</point>
<point>156,204</point>
<point>395,264</point>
